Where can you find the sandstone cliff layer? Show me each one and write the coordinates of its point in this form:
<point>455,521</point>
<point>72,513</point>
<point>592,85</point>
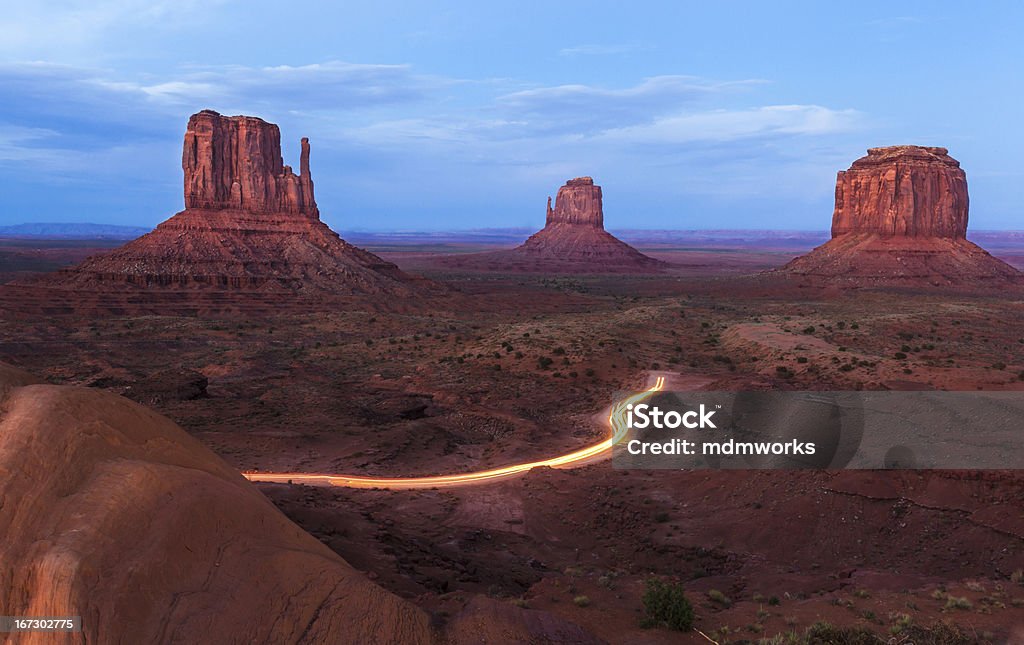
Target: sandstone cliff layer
<point>909,191</point>
<point>900,219</point>
<point>234,162</point>
<point>580,202</point>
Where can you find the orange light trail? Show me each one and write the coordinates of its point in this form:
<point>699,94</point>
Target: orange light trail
<point>616,423</point>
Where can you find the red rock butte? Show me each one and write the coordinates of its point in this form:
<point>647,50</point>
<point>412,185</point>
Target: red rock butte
<point>250,226</point>
<point>235,163</point>
<point>900,219</point>
<point>573,240</point>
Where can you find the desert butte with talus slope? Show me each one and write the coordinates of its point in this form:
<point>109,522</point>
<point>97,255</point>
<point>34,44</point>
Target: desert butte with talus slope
<point>573,240</point>
<point>900,220</point>
<point>250,235</point>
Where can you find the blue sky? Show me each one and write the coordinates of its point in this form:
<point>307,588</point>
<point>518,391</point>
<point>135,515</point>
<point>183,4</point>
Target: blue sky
<point>455,115</point>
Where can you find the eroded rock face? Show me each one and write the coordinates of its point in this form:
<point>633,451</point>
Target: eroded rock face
<point>900,219</point>
<point>113,513</point>
<point>909,191</point>
<point>578,202</point>
<point>122,518</point>
<point>235,162</point>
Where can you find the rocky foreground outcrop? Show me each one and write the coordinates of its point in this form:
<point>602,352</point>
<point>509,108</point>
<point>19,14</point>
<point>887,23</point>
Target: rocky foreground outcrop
<point>111,512</point>
<point>900,219</point>
<point>249,224</point>
<point>573,240</point>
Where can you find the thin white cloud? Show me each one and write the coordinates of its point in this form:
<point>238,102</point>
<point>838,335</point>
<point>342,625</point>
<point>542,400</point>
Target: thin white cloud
<point>18,143</point>
<point>895,21</point>
<point>61,120</point>
<point>654,91</point>
<point>732,125</point>
<point>587,109</point>
<point>599,50</point>
<point>334,84</point>
<point>46,28</point>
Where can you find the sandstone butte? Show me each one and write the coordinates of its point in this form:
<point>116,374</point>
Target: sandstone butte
<point>113,513</point>
<point>900,219</point>
<point>250,223</point>
<point>573,240</point>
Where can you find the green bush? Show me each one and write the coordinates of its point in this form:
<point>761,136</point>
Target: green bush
<point>666,604</point>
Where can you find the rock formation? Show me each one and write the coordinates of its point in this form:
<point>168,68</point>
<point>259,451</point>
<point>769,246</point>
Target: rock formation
<point>235,163</point>
<point>902,191</point>
<point>113,513</point>
<point>573,240</point>
<point>579,202</point>
<point>900,219</point>
<point>249,224</point>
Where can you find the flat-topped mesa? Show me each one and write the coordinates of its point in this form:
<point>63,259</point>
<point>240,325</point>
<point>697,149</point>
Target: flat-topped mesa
<point>234,162</point>
<point>578,202</point>
<point>907,191</point>
<point>901,221</point>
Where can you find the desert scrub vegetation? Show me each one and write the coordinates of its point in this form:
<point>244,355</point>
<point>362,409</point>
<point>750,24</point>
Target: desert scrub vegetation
<point>665,605</point>
<point>823,633</point>
<point>717,596</point>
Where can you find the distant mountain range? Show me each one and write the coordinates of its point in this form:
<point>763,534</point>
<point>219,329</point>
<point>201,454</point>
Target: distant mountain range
<point>51,230</point>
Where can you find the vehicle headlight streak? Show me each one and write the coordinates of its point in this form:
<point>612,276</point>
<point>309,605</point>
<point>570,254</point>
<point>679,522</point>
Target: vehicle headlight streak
<point>617,424</point>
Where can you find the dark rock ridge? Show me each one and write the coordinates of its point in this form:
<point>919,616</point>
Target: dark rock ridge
<point>900,219</point>
<point>249,224</point>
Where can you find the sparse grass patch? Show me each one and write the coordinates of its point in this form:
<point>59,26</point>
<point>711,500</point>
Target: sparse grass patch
<point>717,596</point>
<point>952,602</point>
